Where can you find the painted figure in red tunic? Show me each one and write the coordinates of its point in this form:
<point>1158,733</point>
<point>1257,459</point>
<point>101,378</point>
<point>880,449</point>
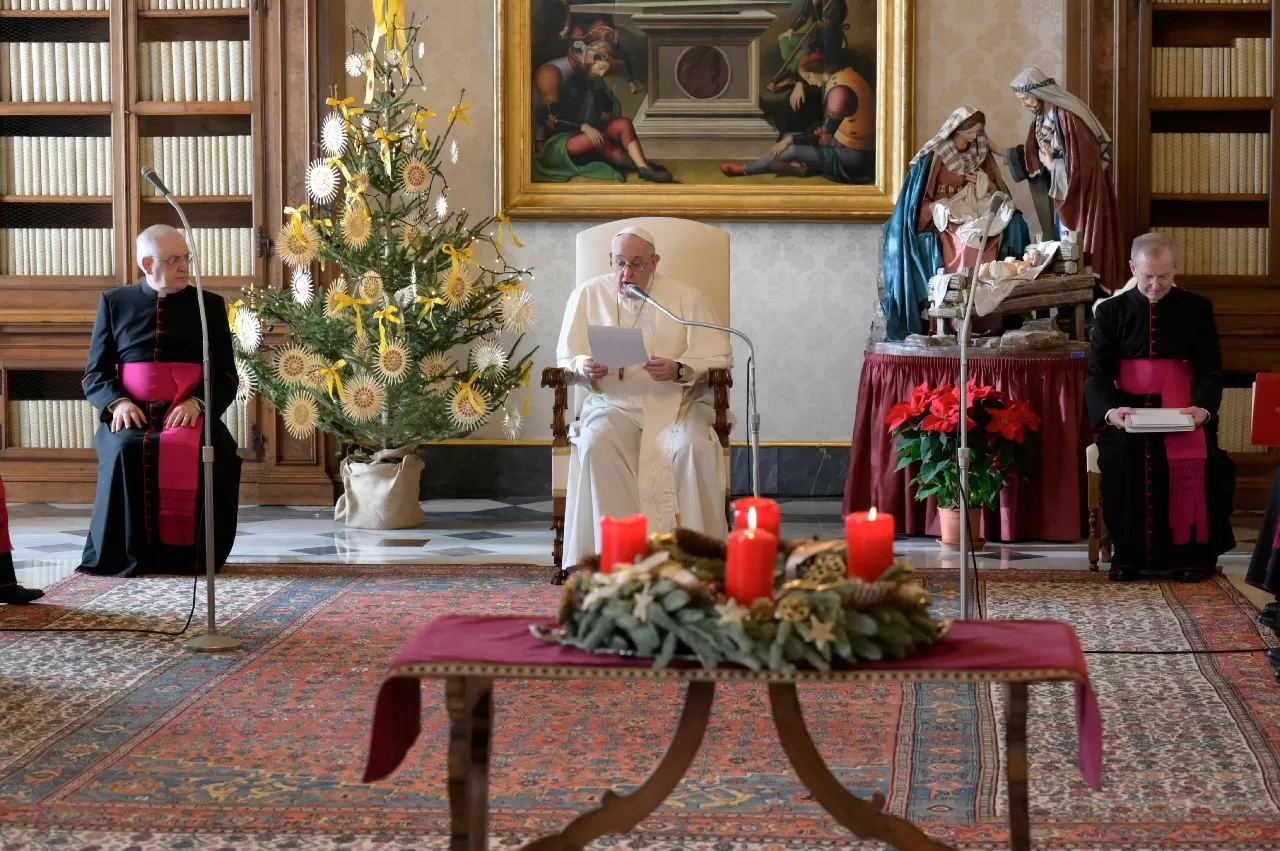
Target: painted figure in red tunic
<point>1066,161</point>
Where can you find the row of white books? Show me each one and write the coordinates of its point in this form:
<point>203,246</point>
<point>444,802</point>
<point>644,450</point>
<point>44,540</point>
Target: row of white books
<point>1220,251</point>
<point>56,5</point>
<point>201,165</point>
<point>1235,416</point>
<point>1242,70</point>
<point>224,251</point>
<point>55,71</point>
<point>195,4</point>
<point>1211,162</point>
<point>195,70</point>
<point>55,165</point>
<point>71,424</point>
<point>57,251</point>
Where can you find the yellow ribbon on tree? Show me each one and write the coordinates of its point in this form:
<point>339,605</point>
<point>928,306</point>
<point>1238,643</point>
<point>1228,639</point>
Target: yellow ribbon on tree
<point>389,314</point>
<point>467,393</point>
<point>460,112</point>
<point>345,107</point>
<point>509,289</point>
<point>430,303</point>
<point>420,127</point>
<point>351,189</point>
<point>343,301</point>
<point>386,139</point>
<point>296,213</point>
<point>233,311</point>
<point>458,256</point>
<point>388,20</point>
<point>503,221</point>
<point>331,376</point>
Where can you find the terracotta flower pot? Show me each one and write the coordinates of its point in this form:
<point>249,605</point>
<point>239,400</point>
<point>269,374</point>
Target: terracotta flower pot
<point>949,520</point>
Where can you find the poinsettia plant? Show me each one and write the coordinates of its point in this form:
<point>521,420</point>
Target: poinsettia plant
<point>1002,441</point>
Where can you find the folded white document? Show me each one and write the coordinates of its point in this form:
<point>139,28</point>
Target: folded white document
<point>1159,420</point>
<point>616,347</point>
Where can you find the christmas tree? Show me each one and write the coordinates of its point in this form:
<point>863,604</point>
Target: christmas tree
<point>408,341</point>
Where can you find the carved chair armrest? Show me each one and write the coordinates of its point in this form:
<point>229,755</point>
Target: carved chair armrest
<point>720,380</point>
<point>558,379</point>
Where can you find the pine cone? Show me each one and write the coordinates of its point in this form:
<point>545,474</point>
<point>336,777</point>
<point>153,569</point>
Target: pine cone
<point>699,545</point>
<point>869,595</point>
<point>793,608</point>
<point>824,569</point>
<point>591,562</point>
<point>911,595</point>
<point>762,610</point>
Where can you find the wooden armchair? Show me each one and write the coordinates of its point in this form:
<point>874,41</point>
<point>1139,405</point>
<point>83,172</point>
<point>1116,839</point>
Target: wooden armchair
<point>697,254</point>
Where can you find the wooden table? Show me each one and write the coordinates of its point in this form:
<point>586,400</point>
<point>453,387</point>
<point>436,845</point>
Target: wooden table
<point>471,653</point>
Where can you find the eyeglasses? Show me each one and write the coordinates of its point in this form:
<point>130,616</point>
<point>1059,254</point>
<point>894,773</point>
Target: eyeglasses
<point>174,260</point>
<point>620,264</point>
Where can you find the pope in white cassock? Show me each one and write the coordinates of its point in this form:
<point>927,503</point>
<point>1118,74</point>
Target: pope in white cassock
<point>644,441</point>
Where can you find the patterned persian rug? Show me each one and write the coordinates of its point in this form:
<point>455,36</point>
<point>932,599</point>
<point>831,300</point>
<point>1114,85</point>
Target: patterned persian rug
<point>121,741</point>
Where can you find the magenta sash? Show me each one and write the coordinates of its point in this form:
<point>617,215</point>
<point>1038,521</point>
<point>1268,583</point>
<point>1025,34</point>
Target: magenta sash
<point>179,447</point>
<point>1185,450</point>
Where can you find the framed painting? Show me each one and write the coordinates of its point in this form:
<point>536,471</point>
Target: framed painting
<point>781,110</point>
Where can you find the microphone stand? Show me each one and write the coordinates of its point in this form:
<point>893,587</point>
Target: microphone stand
<point>962,460</point>
<point>212,640</point>
<point>753,412</point>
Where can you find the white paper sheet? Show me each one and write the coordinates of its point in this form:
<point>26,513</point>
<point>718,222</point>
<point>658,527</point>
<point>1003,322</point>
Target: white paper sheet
<point>1159,420</point>
<point>616,347</point>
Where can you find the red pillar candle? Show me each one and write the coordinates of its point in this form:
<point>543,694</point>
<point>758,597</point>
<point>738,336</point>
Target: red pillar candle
<point>869,537</point>
<point>748,573</point>
<point>768,514</point>
<point>622,539</point>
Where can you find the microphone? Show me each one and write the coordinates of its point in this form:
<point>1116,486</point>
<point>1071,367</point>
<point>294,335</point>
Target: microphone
<point>212,640</point>
<point>997,202</point>
<point>154,179</point>
<point>753,410</point>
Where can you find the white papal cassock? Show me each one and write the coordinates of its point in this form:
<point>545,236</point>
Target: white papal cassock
<point>639,445</point>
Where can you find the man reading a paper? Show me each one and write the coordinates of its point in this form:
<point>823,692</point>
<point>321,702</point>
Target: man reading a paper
<point>1166,496</point>
<point>643,442</point>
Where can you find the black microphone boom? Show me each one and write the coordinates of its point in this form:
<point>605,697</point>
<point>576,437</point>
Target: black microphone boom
<point>154,179</point>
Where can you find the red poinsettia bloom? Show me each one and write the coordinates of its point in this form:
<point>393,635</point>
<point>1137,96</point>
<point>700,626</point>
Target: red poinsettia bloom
<point>919,402</point>
<point>944,413</point>
<point>977,393</point>
<point>1011,420</point>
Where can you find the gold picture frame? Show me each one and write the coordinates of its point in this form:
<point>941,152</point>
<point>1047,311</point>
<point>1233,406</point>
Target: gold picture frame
<point>811,198</point>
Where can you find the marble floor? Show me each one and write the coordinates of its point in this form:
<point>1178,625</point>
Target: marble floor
<point>48,539</point>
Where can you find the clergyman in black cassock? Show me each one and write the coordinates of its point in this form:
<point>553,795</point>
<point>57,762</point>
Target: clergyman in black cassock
<point>1167,510</point>
<point>10,591</point>
<point>150,494</point>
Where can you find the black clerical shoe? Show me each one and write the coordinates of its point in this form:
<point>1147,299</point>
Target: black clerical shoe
<point>1270,617</point>
<point>16,595</point>
<point>1192,574</point>
<point>1121,573</point>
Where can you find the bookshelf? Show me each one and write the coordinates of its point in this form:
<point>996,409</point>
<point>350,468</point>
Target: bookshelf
<point>1195,122</point>
<point>87,97</point>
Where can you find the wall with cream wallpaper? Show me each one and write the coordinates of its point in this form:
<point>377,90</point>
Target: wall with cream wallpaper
<point>803,292</point>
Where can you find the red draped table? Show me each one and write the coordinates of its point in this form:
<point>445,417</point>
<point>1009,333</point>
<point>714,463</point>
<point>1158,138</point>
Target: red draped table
<point>1049,506</point>
<point>470,653</point>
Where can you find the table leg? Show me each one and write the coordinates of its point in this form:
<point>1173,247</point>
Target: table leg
<point>1015,748</point>
<point>470,705</point>
<point>1080,320</point>
<point>618,814</point>
<point>866,819</point>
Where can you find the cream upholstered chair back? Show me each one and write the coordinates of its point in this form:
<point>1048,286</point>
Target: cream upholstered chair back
<point>692,252</point>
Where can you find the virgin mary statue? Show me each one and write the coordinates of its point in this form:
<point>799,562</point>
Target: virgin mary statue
<point>937,221</point>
